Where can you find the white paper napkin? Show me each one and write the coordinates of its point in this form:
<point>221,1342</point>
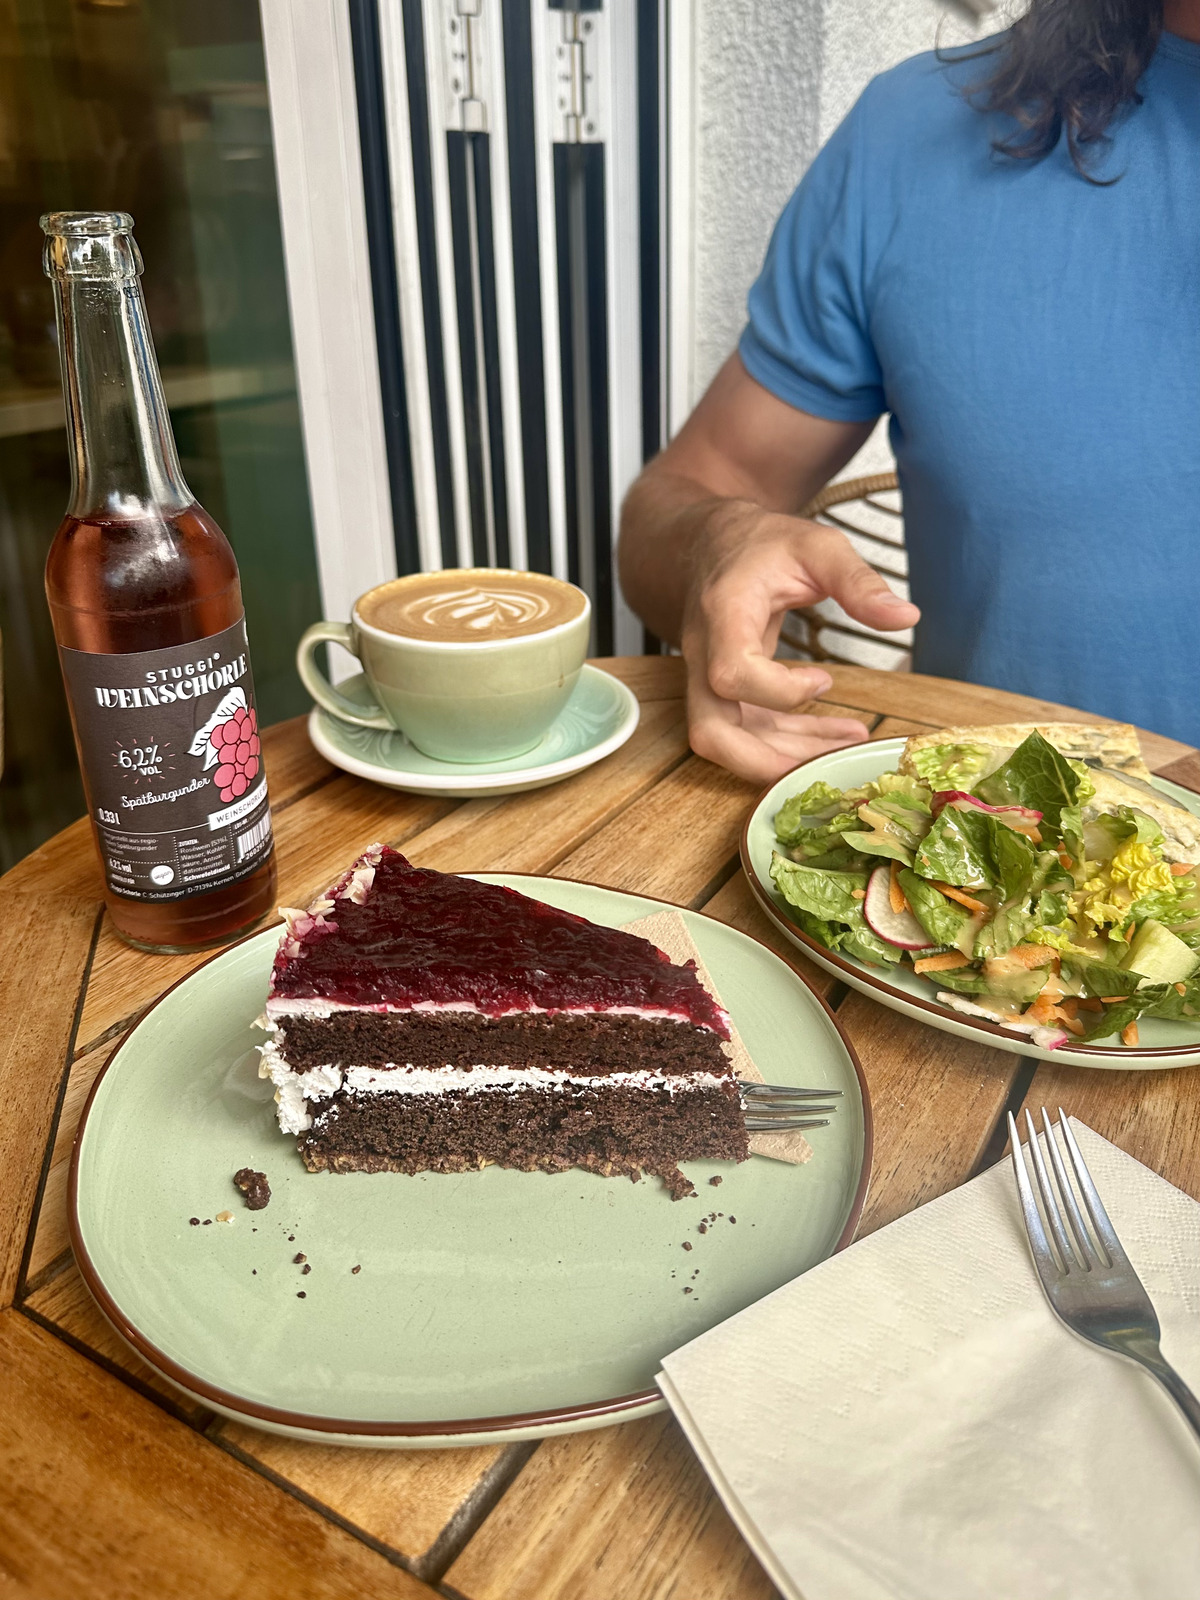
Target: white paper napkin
<point>909,1419</point>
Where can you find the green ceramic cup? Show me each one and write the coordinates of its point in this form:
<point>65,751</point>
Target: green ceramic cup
<point>475,701</point>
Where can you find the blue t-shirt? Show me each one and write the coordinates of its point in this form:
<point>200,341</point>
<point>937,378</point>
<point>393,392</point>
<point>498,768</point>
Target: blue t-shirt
<point>1036,339</point>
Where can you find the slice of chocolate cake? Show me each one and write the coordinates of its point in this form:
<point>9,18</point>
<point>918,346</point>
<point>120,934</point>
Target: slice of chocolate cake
<point>424,1022</point>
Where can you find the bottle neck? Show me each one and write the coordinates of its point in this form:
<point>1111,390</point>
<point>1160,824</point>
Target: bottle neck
<point>123,459</point>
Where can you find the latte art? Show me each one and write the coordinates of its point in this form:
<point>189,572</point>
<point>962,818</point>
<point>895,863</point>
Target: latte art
<point>471,606</point>
<point>481,611</point>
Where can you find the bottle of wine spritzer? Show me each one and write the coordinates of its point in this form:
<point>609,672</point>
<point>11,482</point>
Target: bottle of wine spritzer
<point>147,611</point>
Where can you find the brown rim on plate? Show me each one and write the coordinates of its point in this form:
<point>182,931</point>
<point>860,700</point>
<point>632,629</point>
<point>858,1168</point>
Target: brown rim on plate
<point>768,904</point>
<point>614,1408</point>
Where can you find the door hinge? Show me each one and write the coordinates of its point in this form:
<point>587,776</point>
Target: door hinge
<point>465,36</point>
<point>577,53</point>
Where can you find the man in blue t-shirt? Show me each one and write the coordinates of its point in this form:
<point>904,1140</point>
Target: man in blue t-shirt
<point>1002,250</point>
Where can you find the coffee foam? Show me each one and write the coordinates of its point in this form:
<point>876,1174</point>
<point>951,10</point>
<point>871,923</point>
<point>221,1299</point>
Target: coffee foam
<point>470,606</point>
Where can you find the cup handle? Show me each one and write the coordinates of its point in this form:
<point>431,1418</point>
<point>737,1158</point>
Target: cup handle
<point>319,686</point>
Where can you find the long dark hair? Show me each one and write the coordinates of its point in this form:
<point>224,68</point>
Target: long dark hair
<point>1072,64</point>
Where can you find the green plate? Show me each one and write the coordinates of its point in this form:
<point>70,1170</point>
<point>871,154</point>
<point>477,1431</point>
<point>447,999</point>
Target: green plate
<point>1161,1043</point>
<point>598,718</point>
<point>490,1306</point>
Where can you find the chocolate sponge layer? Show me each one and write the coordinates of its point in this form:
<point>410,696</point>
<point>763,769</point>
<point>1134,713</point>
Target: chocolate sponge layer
<point>611,1131</point>
<point>591,1044</point>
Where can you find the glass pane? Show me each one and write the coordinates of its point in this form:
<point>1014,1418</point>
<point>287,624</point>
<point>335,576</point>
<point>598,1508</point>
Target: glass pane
<point>159,108</point>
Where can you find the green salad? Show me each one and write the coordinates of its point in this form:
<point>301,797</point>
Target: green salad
<point>1010,889</point>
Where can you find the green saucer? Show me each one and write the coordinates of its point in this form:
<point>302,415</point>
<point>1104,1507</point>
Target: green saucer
<point>598,718</point>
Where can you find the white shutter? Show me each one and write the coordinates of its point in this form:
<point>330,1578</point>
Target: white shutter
<point>513,172</point>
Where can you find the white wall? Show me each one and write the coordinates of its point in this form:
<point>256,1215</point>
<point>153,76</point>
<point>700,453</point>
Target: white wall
<point>773,78</point>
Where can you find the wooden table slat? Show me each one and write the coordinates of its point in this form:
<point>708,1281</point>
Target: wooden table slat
<point>104,1495</point>
<point>613,1513</point>
<point>47,947</point>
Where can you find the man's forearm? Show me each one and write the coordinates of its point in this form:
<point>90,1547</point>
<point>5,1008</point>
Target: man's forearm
<point>664,523</point>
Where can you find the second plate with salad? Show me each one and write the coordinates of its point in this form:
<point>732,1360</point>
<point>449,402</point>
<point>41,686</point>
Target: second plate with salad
<point>1037,897</point>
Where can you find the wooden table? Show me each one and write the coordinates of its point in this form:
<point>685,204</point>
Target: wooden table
<point>113,1485</point>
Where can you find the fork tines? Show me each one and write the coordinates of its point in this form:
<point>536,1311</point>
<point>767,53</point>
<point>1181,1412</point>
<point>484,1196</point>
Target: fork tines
<point>779,1108</point>
<point>1074,1246</point>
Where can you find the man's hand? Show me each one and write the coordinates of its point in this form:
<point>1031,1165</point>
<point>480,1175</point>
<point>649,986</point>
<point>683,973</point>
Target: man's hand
<point>713,556</point>
<point>749,568</point>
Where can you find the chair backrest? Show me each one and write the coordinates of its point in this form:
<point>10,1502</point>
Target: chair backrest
<point>869,513</point>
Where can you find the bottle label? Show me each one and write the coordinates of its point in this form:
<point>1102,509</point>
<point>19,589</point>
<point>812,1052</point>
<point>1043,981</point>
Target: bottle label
<point>172,764</point>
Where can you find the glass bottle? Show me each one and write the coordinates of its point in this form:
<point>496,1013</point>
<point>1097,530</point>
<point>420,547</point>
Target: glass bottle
<point>147,612</point>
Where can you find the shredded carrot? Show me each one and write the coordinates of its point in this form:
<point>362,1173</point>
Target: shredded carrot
<point>1181,988</point>
<point>1043,1010</point>
<point>942,963</point>
<point>1178,868</point>
<point>896,895</point>
<point>963,898</point>
<point>1068,1007</point>
<point>1112,999</point>
<point>858,894</point>
<point>1033,955</point>
<point>1091,1005</point>
<point>1129,1035</point>
<point>1065,859</point>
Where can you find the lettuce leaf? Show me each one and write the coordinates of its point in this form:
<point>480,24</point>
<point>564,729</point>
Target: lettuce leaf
<point>821,893</point>
<point>896,827</point>
<point>816,841</point>
<point>818,928</point>
<point>942,919</point>
<point>1007,928</point>
<point>862,942</point>
<point>1098,978</point>
<point>1175,1006</point>
<point>899,786</point>
<point>951,766</point>
<point>1051,909</point>
<point>1035,775</point>
<point>955,851</point>
<point>973,850</point>
<point>806,811</point>
<point>1116,1017</point>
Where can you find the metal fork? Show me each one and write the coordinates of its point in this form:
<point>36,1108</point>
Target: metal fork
<point>1089,1280</point>
<point>776,1108</point>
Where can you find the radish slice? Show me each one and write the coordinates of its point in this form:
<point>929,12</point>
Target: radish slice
<point>900,928</point>
<point>962,801</point>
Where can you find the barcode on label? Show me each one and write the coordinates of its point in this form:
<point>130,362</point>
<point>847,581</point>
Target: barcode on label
<point>253,837</point>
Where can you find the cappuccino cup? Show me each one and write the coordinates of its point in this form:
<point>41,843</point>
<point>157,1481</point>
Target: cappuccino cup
<point>471,664</point>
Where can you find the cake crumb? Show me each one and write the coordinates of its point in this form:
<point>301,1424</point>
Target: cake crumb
<point>224,1216</point>
<point>356,1269</point>
<point>687,1289</point>
<point>679,1187</point>
<point>299,1258</point>
<point>254,1187</point>
<point>733,1219</point>
<point>207,1222</point>
<point>194,1221</point>
<point>291,1238</point>
<point>254,1272</point>
<point>687,1244</point>
<point>305,1269</point>
<point>716,1182</point>
<point>702,1227</point>
<point>300,1295</point>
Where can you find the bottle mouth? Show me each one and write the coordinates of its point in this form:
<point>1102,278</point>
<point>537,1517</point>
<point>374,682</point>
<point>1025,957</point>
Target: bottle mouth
<point>85,224</point>
<point>96,245</point>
